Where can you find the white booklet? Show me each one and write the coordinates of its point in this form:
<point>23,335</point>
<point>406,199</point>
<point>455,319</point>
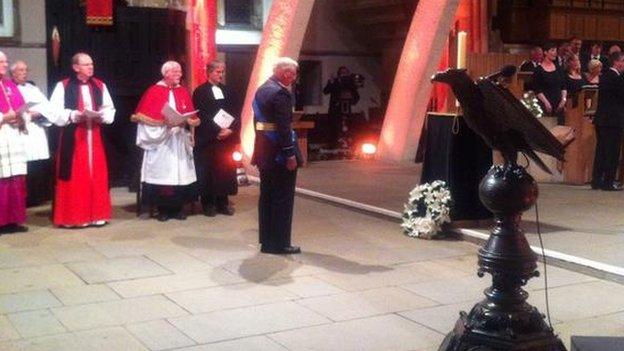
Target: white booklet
<point>223,119</point>
<point>175,117</point>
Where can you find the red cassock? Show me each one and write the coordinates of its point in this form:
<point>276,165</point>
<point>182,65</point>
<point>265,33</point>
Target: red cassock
<point>157,95</point>
<point>83,198</point>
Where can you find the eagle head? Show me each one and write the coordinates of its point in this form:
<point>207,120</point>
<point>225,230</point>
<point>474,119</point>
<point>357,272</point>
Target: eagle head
<point>450,76</point>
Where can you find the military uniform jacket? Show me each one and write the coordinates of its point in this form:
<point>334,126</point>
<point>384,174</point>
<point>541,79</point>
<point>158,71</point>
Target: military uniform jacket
<point>273,105</point>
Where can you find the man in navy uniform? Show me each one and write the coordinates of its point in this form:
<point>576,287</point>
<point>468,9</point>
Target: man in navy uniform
<point>276,155</point>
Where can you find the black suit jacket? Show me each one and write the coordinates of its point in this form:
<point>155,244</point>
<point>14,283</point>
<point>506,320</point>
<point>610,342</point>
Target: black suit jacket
<point>610,110</point>
<point>527,66</point>
<point>271,148</point>
<point>204,100</point>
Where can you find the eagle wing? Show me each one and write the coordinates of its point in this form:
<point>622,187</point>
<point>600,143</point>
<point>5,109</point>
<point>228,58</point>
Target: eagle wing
<point>511,114</point>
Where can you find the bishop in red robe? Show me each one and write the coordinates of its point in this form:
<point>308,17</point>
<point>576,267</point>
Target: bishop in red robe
<point>168,172</point>
<point>12,155</point>
<point>83,103</point>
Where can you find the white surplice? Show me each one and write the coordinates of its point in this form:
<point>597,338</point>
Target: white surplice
<point>36,140</point>
<point>168,156</point>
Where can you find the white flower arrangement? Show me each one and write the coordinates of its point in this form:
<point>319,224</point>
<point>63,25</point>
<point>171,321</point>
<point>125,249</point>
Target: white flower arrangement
<point>428,208</point>
<point>529,100</point>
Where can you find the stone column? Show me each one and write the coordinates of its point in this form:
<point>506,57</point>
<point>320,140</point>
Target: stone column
<point>411,90</point>
<point>282,36</point>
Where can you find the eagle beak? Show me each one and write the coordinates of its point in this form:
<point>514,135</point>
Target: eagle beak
<point>437,77</point>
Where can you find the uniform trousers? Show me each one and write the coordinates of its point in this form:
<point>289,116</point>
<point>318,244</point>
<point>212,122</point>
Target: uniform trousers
<point>275,207</point>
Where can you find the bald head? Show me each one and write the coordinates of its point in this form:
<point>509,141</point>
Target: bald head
<point>82,64</point>
<point>4,64</point>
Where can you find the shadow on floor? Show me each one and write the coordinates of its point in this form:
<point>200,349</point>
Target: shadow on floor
<point>262,267</point>
<point>338,264</point>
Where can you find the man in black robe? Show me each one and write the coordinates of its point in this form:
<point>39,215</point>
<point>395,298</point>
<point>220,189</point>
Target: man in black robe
<point>214,144</point>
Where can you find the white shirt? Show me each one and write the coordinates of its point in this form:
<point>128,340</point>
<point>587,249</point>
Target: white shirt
<point>36,141</point>
<point>168,155</point>
<point>64,115</point>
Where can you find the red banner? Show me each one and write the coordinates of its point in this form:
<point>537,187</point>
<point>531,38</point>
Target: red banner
<point>201,23</point>
<point>100,12</point>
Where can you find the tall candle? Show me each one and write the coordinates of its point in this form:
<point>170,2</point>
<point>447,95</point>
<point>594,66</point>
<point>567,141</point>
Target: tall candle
<point>461,49</point>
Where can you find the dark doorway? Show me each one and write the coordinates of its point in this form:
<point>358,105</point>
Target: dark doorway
<point>239,64</point>
<point>127,57</point>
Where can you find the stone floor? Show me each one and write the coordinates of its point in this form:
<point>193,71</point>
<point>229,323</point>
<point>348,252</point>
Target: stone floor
<point>575,220</point>
<point>201,285</point>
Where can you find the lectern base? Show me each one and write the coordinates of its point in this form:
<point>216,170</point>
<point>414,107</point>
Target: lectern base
<point>463,339</point>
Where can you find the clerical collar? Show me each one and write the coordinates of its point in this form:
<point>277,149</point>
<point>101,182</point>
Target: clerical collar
<point>615,70</point>
<point>162,83</point>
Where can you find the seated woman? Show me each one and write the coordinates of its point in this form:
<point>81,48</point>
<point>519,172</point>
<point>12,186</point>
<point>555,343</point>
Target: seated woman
<point>549,85</point>
<point>168,172</point>
<point>594,67</point>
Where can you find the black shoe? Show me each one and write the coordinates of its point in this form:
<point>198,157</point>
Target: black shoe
<point>210,211</point>
<point>226,210</point>
<point>13,228</point>
<point>162,217</point>
<point>596,185</point>
<point>288,250</point>
<point>181,216</point>
<point>612,187</point>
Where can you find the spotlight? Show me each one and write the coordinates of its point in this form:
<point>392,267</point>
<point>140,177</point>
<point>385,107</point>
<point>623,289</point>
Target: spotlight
<point>237,156</point>
<point>369,149</point>
<point>241,174</point>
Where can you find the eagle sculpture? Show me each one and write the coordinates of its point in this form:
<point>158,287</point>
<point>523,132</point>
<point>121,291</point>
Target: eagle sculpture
<point>503,122</point>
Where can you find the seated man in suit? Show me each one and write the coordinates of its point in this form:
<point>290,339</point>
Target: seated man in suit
<point>609,123</point>
<point>535,58</point>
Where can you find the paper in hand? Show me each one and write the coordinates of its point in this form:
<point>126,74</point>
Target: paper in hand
<point>25,107</point>
<point>223,119</point>
<point>174,117</point>
<point>90,114</point>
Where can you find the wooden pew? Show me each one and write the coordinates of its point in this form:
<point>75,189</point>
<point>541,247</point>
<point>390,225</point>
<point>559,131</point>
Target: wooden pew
<point>579,157</point>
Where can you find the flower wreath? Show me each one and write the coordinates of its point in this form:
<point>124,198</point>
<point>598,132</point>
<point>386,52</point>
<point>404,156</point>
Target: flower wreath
<point>428,208</point>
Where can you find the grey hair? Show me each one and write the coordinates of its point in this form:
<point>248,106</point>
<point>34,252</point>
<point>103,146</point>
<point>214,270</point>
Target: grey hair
<point>283,62</point>
<point>15,64</point>
<point>168,66</point>
<point>212,65</point>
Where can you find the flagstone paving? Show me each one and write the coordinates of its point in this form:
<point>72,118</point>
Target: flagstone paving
<point>202,285</point>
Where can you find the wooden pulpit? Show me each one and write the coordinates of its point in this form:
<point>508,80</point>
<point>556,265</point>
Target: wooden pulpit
<point>579,156</point>
<point>301,127</point>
